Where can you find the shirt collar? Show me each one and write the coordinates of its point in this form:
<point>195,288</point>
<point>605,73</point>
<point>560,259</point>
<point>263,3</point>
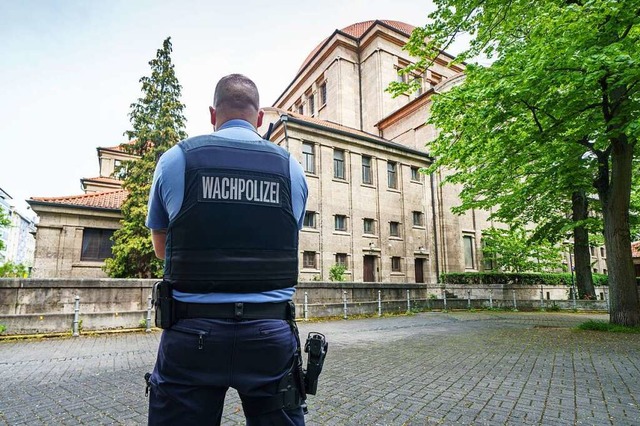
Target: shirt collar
<point>237,123</point>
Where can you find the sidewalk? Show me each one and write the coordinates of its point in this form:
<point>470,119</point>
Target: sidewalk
<point>463,368</point>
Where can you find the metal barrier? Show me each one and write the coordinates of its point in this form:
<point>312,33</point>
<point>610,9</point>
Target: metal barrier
<point>461,297</point>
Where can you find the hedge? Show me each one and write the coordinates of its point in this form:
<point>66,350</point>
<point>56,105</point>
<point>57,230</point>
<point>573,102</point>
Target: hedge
<point>475,278</point>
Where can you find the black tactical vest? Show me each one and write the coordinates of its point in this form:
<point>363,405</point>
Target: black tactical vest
<point>236,231</point>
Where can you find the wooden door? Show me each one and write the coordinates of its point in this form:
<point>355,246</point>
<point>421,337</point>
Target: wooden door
<point>369,269</point>
<point>419,270</point>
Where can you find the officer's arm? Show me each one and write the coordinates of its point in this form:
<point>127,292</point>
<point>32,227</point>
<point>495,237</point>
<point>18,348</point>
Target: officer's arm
<point>159,239</point>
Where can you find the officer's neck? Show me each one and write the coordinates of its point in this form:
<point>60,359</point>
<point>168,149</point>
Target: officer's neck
<point>235,122</point>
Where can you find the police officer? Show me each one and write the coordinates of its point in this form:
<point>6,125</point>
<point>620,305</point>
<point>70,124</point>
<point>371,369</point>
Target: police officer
<point>224,212</point>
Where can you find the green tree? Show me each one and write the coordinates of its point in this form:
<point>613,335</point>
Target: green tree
<point>558,108</point>
<point>158,124</point>
<point>513,250</point>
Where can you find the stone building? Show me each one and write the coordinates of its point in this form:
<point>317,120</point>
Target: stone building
<point>369,206</point>
<point>73,233</point>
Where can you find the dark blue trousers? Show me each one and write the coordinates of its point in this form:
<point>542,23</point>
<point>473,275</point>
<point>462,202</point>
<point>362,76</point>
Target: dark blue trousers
<point>200,359</point>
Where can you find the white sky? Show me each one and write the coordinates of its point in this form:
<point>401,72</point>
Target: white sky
<point>69,70</point>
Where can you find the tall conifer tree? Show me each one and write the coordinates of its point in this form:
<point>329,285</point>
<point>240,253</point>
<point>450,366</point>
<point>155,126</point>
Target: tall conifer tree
<point>158,124</point>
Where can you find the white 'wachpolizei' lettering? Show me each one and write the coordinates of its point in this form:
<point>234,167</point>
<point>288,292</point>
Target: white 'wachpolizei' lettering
<point>239,189</point>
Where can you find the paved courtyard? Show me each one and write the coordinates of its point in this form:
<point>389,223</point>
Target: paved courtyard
<point>463,368</point>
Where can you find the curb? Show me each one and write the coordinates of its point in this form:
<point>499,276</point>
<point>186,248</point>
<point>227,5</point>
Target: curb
<point>63,335</point>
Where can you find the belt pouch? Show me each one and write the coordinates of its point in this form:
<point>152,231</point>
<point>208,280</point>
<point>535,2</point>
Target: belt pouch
<point>163,303</point>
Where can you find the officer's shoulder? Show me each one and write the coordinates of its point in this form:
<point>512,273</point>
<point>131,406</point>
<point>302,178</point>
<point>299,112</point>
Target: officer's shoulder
<point>195,141</point>
<point>277,149</point>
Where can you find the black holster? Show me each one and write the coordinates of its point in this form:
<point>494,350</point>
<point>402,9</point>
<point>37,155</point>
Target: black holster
<point>316,348</point>
<point>163,303</point>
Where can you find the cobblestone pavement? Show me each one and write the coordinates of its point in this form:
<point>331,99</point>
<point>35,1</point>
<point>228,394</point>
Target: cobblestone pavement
<point>457,368</point>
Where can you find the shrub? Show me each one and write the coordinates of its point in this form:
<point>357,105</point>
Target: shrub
<point>336,273</point>
<point>475,278</point>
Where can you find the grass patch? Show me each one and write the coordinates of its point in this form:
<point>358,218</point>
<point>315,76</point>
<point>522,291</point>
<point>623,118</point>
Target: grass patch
<point>605,326</point>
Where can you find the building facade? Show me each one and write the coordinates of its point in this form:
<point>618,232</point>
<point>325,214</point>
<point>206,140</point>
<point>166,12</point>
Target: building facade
<point>18,238</point>
<point>370,208</point>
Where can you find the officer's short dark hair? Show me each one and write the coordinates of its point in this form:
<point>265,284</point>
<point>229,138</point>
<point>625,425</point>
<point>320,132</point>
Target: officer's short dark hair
<point>236,92</point>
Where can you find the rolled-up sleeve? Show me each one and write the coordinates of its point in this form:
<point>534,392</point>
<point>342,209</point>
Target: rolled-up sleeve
<point>157,216</point>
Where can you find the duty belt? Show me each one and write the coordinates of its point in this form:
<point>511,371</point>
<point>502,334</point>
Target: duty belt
<point>238,311</point>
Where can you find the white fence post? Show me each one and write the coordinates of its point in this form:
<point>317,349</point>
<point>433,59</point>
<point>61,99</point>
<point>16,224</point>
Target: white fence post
<point>148,321</point>
<point>344,301</point>
<point>76,317</point>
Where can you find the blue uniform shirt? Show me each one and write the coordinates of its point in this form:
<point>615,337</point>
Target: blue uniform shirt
<point>167,192</point>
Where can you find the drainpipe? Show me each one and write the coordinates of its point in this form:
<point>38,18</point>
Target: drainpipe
<point>360,83</point>
<point>435,228</point>
<point>284,119</point>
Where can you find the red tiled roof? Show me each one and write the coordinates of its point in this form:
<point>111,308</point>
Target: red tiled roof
<point>111,200</point>
<point>104,180</point>
<point>357,30</point>
<point>635,249</point>
<point>111,148</point>
<point>117,147</point>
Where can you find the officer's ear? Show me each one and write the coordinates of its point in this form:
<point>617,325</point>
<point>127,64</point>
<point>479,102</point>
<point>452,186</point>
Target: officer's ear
<point>212,112</point>
<point>260,116</point>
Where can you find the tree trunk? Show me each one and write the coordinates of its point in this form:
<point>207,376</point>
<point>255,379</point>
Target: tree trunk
<point>615,197</point>
<point>582,255</point>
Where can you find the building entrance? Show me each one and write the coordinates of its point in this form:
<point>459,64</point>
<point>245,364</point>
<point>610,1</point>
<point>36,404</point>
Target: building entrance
<point>368,273</point>
<point>419,270</point>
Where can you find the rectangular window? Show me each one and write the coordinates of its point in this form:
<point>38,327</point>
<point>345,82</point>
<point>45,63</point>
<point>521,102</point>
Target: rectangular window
<point>309,219</point>
<point>394,229</point>
<point>415,174</point>
<point>603,253</point>
<point>392,180</point>
<point>312,107</point>
<point>308,158</point>
<point>341,259</point>
<point>96,244</point>
<point>369,226</point>
<point>309,260</point>
<point>366,170</point>
<point>338,164</point>
<point>396,265</point>
<point>418,219</point>
<point>301,109</point>
<point>340,222</point>
<point>323,93</point>
<point>468,252</point>
<point>488,257</point>
<point>593,251</point>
